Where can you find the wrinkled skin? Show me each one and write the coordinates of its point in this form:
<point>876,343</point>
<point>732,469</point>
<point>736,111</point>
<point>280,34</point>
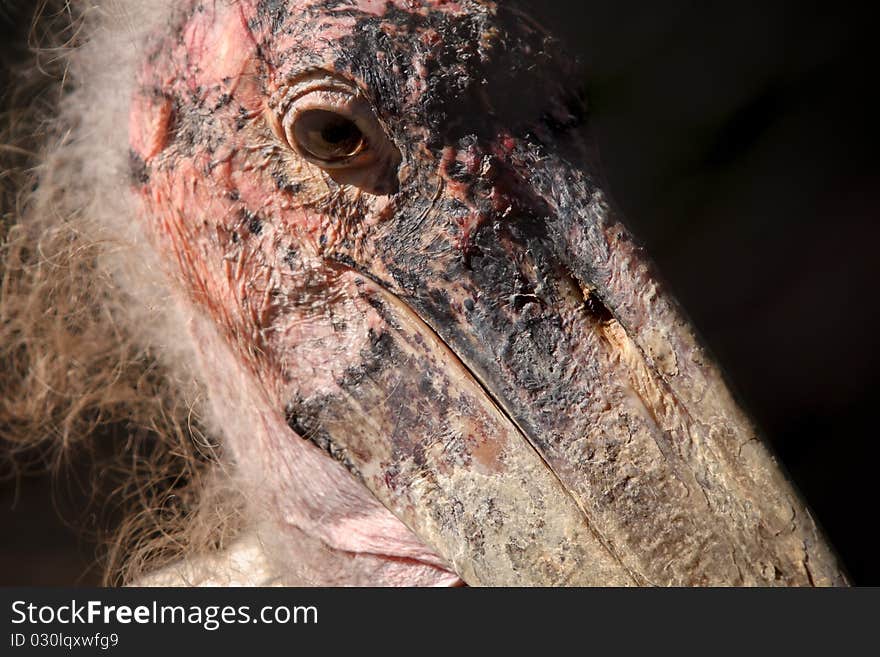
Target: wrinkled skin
<point>450,361</point>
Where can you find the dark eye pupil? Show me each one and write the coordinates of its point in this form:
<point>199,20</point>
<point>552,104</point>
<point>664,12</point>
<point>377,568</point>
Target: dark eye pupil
<point>327,135</point>
<point>340,132</point>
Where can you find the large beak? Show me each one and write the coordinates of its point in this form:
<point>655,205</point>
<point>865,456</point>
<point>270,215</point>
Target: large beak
<point>535,407</point>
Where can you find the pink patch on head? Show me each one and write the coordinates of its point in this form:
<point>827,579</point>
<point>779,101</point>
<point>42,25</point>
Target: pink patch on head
<point>149,123</point>
<point>221,45</point>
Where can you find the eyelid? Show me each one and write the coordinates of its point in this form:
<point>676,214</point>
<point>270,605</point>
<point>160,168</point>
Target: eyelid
<point>348,106</point>
<point>306,83</point>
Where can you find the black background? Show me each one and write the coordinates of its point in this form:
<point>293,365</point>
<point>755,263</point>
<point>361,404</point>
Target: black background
<point>741,144</point>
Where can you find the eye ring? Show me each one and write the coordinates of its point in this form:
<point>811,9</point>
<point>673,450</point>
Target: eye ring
<point>329,124</point>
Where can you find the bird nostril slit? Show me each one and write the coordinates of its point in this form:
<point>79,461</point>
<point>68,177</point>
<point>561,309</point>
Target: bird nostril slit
<point>586,296</point>
<point>596,308</point>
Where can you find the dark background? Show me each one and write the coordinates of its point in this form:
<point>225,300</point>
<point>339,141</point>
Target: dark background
<point>741,143</point>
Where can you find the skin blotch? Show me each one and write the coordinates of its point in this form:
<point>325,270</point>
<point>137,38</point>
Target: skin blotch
<point>152,127</point>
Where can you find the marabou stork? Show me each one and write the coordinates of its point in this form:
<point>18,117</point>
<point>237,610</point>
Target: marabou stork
<point>432,352</point>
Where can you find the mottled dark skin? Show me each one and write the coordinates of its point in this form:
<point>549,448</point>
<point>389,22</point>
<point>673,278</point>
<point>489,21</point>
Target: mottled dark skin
<point>420,317</point>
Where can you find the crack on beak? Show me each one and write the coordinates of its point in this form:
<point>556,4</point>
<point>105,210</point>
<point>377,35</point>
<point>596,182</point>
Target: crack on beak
<point>308,427</point>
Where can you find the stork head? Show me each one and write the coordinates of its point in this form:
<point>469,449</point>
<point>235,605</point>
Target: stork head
<point>408,286</point>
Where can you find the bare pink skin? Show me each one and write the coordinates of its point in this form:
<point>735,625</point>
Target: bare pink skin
<point>262,326</point>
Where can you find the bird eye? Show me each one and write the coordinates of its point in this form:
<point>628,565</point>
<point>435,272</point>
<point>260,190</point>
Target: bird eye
<point>328,136</point>
<point>327,122</point>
